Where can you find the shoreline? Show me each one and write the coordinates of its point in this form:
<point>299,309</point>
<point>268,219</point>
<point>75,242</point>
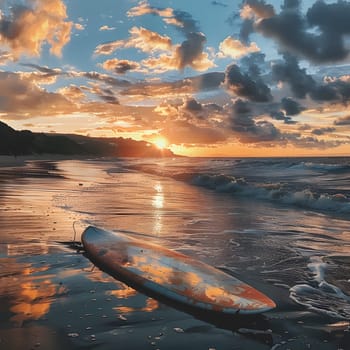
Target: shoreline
<point>12,161</point>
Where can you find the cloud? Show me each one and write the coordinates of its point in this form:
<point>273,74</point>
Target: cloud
<point>323,131</point>
<point>192,104</point>
<point>41,75</point>
<point>254,64</point>
<point>290,4</point>
<point>192,122</point>
<point>104,78</point>
<point>34,24</point>
<point>72,93</point>
<point>290,106</point>
<point>120,66</point>
<point>21,97</point>
<point>140,38</point>
<point>5,56</point>
<point>343,121</point>
<point>247,130</point>
<point>202,82</point>
<point>209,113</point>
<point>106,28</point>
<point>244,85</point>
<point>185,132</point>
<point>289,71</point>
<point>189,53</point>
<point>79,26</point>
<point>234,48</point>
<point>256,8</point>
<point>143,8</point>
<point>281,115</point>
<point>182,20</point>
<point>318,36</point>
<point>303,84</point>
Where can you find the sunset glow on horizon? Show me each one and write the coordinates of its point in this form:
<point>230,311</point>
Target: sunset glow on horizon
<point>202,78</point>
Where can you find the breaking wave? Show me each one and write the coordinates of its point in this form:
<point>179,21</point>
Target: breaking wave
<point>277,192</point>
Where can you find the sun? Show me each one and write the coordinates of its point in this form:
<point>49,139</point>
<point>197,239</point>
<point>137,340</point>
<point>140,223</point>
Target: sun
<point>160,142</point>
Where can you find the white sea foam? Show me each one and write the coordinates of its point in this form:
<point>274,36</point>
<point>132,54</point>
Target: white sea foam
<point>320,295</point>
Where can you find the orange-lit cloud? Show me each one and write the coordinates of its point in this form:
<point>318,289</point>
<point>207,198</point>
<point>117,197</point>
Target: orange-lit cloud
<point>72,93</point>
<point>20,96</point>
<point>140,38</point>
<point>189,53</point>
<point>32,25</point>
<point>234,48</point>
<point>143,8</point>
<point>184,132</point>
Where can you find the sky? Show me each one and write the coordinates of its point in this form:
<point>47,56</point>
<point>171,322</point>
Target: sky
<point>202,77</point>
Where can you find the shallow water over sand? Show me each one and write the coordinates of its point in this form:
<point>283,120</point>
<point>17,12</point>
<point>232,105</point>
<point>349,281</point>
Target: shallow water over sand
<point>52,299</point>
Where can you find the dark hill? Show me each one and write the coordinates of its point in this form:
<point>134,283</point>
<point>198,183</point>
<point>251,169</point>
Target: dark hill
<point>13,142</point>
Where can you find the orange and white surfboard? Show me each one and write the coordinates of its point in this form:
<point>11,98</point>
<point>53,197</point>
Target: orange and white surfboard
<point>171,275</point>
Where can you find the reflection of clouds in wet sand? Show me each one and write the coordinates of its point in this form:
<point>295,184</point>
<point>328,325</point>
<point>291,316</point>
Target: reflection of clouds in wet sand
<point>151,305</point>
<point>33,301</point>
<point>31,295</point>
<point>125,293</point>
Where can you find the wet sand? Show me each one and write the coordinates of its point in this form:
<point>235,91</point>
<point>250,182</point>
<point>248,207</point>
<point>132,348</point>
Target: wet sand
<point>51,297</point>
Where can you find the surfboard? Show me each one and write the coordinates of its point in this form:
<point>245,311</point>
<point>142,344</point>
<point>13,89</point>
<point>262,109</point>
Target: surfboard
<point>172,275</point>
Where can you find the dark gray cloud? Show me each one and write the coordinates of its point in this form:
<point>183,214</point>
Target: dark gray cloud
<point>246,29</point>
<point>46,70</point>
<point>323,131</point>
<point>190,49</point>
<point>123,66</point>
<point>330,17</point>
<point>187,23</point>
<point>193,110</point>
<point>110,99</point>
<point>281,115</point>
<point>102,78</point>
<point>254,64</point>
<point>207,81</point>
<point>318,35</point>
<point>246,129</point>
<point>243,85</point>
<point>343,121</point>
<point>290,106</point>
<point>192,105</point>
<point>289,71</point>
<point>327,92</point>
<point>303,84</point>
<point>290,4</point>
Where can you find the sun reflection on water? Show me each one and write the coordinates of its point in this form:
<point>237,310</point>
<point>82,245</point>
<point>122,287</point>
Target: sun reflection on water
<point>158,204</point>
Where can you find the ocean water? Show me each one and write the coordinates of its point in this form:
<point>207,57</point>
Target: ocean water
<point>281,225</point>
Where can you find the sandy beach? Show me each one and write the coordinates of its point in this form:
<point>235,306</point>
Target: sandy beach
<point>53,298</point>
